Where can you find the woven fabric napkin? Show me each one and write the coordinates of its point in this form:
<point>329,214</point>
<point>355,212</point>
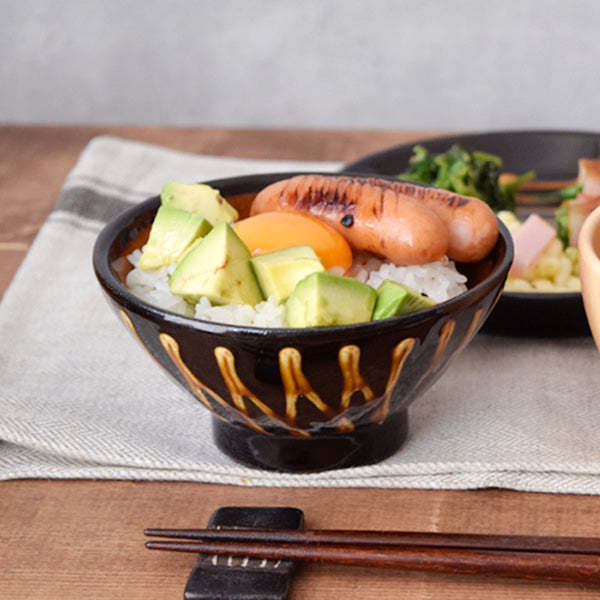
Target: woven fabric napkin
<point>80,399</point>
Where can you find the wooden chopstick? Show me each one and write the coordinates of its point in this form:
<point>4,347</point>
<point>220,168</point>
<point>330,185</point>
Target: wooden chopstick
<point>558,567</point>
<point>523,543</point>
<point>564,559</point>
<point>541,185</point>
<point>531,200</point>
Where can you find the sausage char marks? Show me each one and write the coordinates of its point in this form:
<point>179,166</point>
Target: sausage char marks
<point>405,223</point>
<point>371,217</point>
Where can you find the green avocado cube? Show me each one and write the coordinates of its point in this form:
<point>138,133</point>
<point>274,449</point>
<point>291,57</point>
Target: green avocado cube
<point>218,268</point>
<point>171,234</point>
<point>279,272</point>
<point>324,299</point>
<point>201,199</point>
<point>395,299</point>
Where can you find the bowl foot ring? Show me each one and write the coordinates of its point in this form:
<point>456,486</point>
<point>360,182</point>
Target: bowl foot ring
<point>367,444</point>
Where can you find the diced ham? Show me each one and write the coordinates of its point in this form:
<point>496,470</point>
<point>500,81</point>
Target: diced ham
<point>530,241</point>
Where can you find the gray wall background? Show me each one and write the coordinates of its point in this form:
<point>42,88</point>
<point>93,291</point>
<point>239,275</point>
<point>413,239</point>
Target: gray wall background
<point>378,64</point>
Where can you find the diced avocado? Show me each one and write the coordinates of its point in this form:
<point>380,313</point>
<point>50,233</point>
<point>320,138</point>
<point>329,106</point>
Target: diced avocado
<point>394,299</point>
<point>190,247</point>
<point>278,272</point>
<point>322,299</point>
<point>172,232</point>
<point>218,268</point>
<point>199,198</point>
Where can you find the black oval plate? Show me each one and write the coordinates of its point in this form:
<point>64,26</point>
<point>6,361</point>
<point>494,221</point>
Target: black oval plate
<point>552,155</point>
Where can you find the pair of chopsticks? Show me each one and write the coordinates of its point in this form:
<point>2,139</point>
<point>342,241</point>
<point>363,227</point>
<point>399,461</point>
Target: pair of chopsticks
<point>566,559</point>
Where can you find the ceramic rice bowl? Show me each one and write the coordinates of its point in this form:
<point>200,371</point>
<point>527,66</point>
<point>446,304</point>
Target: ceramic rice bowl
<point>300,400</point>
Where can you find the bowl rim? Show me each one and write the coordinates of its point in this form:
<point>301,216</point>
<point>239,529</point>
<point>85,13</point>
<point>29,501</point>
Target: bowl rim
<point>459,137</point>
<point>115,288</point>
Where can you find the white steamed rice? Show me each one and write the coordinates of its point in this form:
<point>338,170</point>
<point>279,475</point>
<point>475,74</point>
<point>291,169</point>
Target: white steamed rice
<point>438,280</point>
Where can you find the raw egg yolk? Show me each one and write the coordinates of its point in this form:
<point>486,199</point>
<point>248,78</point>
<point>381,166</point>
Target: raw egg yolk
<point>270,231</point>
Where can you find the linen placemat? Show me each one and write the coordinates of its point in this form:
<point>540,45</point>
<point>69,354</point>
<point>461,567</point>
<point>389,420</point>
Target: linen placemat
<point>80,399</point>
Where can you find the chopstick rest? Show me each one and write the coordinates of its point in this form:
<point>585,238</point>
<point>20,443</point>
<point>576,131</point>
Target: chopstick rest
<point>218,577</point>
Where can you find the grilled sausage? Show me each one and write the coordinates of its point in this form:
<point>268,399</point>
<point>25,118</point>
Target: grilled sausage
<point>370,216</point>
<point>404,222</point>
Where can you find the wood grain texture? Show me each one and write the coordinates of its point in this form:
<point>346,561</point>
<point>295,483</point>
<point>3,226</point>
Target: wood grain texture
<point>84,539</point>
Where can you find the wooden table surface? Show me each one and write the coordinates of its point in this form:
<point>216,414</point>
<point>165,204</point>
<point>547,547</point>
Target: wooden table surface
<point>83,539</point>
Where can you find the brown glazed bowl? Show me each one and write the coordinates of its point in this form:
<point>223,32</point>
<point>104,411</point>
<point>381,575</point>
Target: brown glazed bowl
<point>300,400</point>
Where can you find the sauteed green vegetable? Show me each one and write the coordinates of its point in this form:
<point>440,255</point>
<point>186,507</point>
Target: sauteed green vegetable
<point>471,173</point>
